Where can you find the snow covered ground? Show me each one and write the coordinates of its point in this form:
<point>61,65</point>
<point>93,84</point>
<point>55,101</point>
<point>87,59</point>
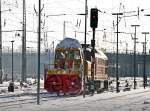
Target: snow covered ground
<point>134,100</point>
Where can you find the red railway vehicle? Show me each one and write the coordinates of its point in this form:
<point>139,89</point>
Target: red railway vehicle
<point>67,75</point>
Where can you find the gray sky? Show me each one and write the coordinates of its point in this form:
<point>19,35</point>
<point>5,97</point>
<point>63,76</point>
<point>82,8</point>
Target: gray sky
<point>52,26</point>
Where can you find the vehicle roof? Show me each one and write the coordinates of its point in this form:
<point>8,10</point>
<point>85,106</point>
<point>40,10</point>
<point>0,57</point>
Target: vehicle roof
<point>69,43</point>
<point>99,53</point>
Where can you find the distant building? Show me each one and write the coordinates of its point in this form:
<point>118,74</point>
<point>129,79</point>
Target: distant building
<point>32,63</point>
<point>126,64</point>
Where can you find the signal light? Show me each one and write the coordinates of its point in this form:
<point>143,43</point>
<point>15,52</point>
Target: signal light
<point>94,18</point>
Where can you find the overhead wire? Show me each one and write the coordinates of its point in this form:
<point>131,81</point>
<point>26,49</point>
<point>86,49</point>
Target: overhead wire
<point>62,5</point>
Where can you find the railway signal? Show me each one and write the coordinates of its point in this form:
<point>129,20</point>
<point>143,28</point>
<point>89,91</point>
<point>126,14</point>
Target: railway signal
<point>93,24</point>
<point>94,18</point>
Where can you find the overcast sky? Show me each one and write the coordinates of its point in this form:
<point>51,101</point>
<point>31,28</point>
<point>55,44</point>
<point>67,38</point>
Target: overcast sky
<point>52,26</point>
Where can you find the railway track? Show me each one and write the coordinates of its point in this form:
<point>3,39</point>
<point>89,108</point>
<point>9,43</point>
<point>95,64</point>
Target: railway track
<point>16,100</point>
<point>12,100</point>
<point>19,100</point>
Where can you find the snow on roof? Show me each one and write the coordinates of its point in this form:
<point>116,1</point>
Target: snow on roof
<point>100,54</point>
<point>73,43</point>
<point>69,43</point>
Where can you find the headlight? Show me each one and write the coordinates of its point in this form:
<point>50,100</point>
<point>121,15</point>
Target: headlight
<point>72,83</point>
<point>54,83</point>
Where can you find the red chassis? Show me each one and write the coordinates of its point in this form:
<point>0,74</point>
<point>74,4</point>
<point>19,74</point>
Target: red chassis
<point>62,83</point>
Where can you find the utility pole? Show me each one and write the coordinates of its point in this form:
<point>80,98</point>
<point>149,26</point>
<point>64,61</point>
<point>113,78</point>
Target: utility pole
<point>126,48</point>
<point>144,64</point>
<point>84,75</point>
<point>53,45</point>
<point>12,62</point>
<point>39,49</point>
<point>23,76</point>
<point>135,82</point>
<point>75,33</point>
<point>52,52</point>
<point>117,76</point>
<point>1,73</point>
<point>64,30</point>
<point>143,43</point>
